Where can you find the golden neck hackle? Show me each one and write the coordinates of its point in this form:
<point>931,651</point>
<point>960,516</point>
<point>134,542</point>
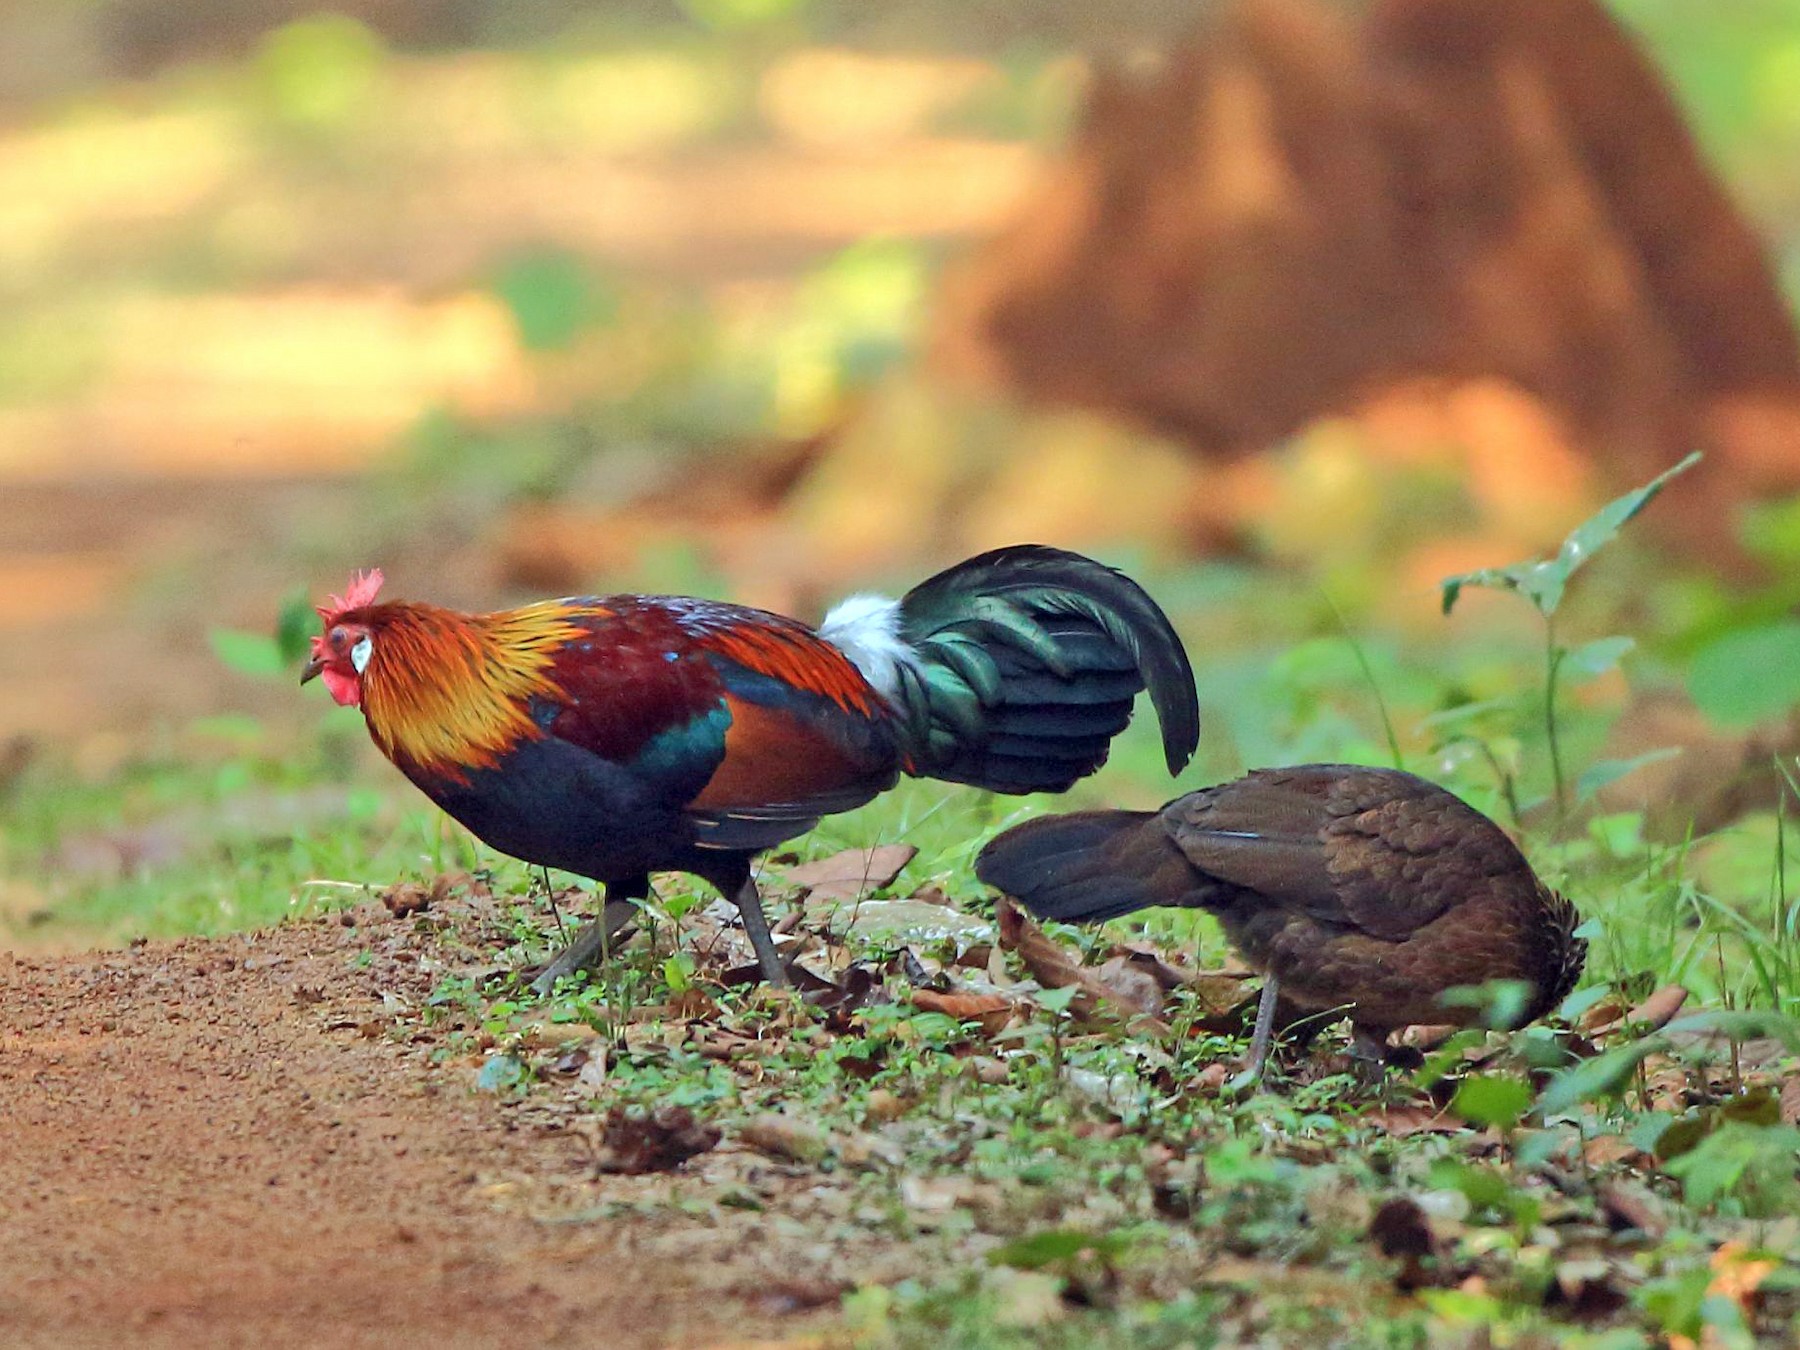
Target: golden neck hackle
<point>451,692</point>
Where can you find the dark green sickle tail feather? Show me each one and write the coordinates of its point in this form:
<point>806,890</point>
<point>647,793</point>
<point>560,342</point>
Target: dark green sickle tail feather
<point>1024,666</point>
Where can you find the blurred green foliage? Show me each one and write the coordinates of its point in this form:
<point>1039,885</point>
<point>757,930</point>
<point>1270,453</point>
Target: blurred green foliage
<point>321,73</point>
<point>553,295</point>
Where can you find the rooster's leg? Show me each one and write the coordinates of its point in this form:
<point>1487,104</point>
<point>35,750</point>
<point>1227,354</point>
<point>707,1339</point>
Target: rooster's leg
<point>593,942</point>
<point>1261,1039</point>
<point>756,924</point>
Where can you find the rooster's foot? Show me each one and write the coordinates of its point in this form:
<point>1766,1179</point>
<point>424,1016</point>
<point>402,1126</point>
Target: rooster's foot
<point>591,945</point>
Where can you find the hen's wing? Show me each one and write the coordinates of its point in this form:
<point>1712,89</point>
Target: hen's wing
<point>1371,849</point>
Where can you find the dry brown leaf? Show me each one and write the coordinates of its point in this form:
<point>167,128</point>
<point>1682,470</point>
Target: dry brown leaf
<point>1130,987</point>
<point>1427,1037</point>
<point>884,1106</point>
<point>783,1136</point>
<point>987,1069</point>
<point>1219,991</point>
<point>1401,1230</point>
<point>1603,1150</point>
<point>991,1011</point>
<point>853,872</point>
<point>1628,1205</point>
<point>693,1005</point>
<point>1601,1016</point>
<point>410,897</point>
<point>1050,963</point>
<point>406,899</point>
<point>1145,957</point>
<point>1659,1009</point>
<point>1790,1101</point>
<point>1737,1274</point>
<point>1403,1120</point>
<point>1054,966</point>
<point>1610,1014</point>
<point>1210,1079</point>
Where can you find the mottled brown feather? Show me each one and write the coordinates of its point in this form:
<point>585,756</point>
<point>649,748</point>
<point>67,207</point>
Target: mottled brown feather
<point>1373,888</point>
<point>1366,889</point>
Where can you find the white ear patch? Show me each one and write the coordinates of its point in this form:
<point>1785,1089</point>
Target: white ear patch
<point>866,628</point>
<point>360,653</point>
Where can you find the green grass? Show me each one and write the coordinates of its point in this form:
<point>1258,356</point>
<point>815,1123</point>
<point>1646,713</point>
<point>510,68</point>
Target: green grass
<point>1196,1220</point>
<point>1103,1191</point>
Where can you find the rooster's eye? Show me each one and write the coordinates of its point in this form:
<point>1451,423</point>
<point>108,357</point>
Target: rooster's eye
<point>337,637</point>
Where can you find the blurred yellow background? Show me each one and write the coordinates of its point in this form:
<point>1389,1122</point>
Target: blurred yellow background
<point>541,297</point>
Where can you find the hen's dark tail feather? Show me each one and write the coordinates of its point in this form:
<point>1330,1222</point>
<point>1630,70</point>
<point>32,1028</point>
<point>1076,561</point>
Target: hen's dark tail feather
<point>1026,661</point>
<point>1087,866</point>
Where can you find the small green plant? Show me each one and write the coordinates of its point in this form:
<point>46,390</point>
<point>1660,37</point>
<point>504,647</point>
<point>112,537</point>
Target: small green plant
<point>1543,582</point>
<point>271,655</point>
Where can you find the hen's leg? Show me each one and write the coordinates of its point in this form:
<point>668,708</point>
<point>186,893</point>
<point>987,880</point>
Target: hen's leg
<point>1370,1048</point>
<point>1262,1039</point>
<point>595,940</point>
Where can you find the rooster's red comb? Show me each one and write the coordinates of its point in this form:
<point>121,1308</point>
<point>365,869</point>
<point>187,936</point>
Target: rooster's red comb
<point>363,588</point>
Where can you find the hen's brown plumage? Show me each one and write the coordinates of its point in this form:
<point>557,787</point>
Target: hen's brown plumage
<point>1350,887</point>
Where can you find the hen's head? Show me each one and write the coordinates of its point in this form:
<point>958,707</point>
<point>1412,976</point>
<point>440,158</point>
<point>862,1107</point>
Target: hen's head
<point>341,653</point>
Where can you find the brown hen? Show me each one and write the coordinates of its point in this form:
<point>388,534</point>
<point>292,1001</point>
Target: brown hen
<point>1369,890</point>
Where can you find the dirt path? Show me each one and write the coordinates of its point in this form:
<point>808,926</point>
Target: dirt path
<point>211,1143</point>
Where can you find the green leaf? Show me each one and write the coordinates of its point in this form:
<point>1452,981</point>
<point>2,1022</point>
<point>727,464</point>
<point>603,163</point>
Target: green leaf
<point>1488,1099</point>
<point>1754,1163</point>
<point>1603,773</point>
<point>1682,1135</point>
<point>1674,1302</point>
<point>500,1073</point>
<point>1593,659</point>
<point>1540,1048</point>
<point>1446,1057</point>
<point>1740,1024</point>
<point>1452,718</point>
<point>1057,1246</point>
<point>1596,1077</point>
<point>247,653</point>
<point>1502,1002</point>
<point>1582,999</point>
<point>295,623</point>
<point>678,904</point>
<point>678,972</point>
<point>1542,581</point>
<point>320,72</point>
<point>1771,530</point>
<point>1483,1187</point>
<point>1747,675</point>
<point>552,298</point>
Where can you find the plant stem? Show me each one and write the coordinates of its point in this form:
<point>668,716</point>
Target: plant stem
<point>1553,658</point>
<point>1368,674</point>
<point>1508,789</point>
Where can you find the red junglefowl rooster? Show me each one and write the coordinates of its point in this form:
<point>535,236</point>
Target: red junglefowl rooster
<point>623,735</point>
<point>1369,890</point>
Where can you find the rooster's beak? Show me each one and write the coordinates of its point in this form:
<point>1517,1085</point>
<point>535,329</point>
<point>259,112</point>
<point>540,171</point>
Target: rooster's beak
<point>311,669</point>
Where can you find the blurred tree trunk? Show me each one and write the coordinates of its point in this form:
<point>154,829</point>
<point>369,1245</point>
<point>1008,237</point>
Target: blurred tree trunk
<point>1299,212</point>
